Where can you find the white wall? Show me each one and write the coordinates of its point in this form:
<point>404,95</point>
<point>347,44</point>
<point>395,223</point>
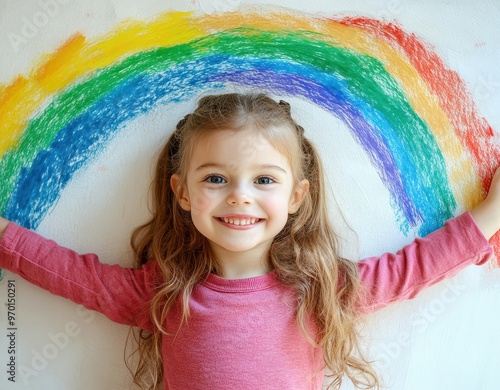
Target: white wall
<point>446,338</point>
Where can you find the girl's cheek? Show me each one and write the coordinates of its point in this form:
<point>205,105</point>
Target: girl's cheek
<point>276,202</point>
<point>282,203</point>
<point>202,199</point>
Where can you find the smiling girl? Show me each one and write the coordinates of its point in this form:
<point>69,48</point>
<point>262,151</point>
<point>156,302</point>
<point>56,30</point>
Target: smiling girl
<point>239,283</point>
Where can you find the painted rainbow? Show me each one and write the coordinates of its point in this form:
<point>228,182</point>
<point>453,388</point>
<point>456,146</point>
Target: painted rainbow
<point>414,117</point>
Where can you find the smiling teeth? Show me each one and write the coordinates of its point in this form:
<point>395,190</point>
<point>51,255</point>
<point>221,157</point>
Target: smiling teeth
<point>240,222</point>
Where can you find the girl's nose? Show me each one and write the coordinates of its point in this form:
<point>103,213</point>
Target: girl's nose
<point>239,194</point>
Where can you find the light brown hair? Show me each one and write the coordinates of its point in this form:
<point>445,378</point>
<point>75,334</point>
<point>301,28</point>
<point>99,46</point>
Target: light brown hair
<point>305,253</point>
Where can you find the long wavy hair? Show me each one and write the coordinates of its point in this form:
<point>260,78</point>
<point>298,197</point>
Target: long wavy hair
<point>305,253</point>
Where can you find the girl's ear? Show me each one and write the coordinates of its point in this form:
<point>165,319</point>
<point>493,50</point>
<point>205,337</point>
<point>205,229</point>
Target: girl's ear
<point>299,193</point>
<point>180,192</point>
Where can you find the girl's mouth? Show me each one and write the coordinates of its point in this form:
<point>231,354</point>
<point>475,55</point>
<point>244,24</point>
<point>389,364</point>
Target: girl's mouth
<point>239,221</point>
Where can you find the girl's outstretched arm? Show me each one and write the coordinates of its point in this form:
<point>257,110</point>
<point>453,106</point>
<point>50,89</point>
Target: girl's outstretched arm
<point>487,213</point>
<point>122,294</point>
<point>428,260</point>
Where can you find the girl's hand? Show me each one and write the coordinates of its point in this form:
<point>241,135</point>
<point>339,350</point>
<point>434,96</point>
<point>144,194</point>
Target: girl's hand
<point>3,225</point>
<point>487,213</point>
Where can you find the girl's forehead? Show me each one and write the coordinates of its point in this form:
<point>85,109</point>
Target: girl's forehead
<point>251,134</point>
<point>248,144</point>
<point>230,135</point>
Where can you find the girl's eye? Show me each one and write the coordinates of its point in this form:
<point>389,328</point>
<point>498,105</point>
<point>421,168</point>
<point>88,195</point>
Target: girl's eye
<point>214,179</point>
<point>264,180</point>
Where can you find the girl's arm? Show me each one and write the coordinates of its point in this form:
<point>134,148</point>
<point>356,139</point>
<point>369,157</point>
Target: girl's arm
<point>442,254</point>
<point>122,294</point>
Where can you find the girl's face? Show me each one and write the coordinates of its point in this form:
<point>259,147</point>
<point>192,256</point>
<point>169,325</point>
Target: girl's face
<point>239,190</point>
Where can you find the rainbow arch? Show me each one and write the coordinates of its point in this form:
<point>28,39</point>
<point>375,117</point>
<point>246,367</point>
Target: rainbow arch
<point>412,116</point>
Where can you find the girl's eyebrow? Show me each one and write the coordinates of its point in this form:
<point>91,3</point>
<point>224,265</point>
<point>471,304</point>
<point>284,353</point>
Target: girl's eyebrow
<point>224,166</point>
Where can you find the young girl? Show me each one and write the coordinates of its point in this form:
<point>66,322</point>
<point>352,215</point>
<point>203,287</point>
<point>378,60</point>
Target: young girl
<point>240,285</point>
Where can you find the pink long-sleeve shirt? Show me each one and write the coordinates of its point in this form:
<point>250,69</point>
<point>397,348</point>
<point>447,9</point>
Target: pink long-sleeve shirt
<point>242,333</point>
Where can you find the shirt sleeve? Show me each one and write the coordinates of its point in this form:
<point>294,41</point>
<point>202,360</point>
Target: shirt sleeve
<point>121,294</point>
<point>426,261</point>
